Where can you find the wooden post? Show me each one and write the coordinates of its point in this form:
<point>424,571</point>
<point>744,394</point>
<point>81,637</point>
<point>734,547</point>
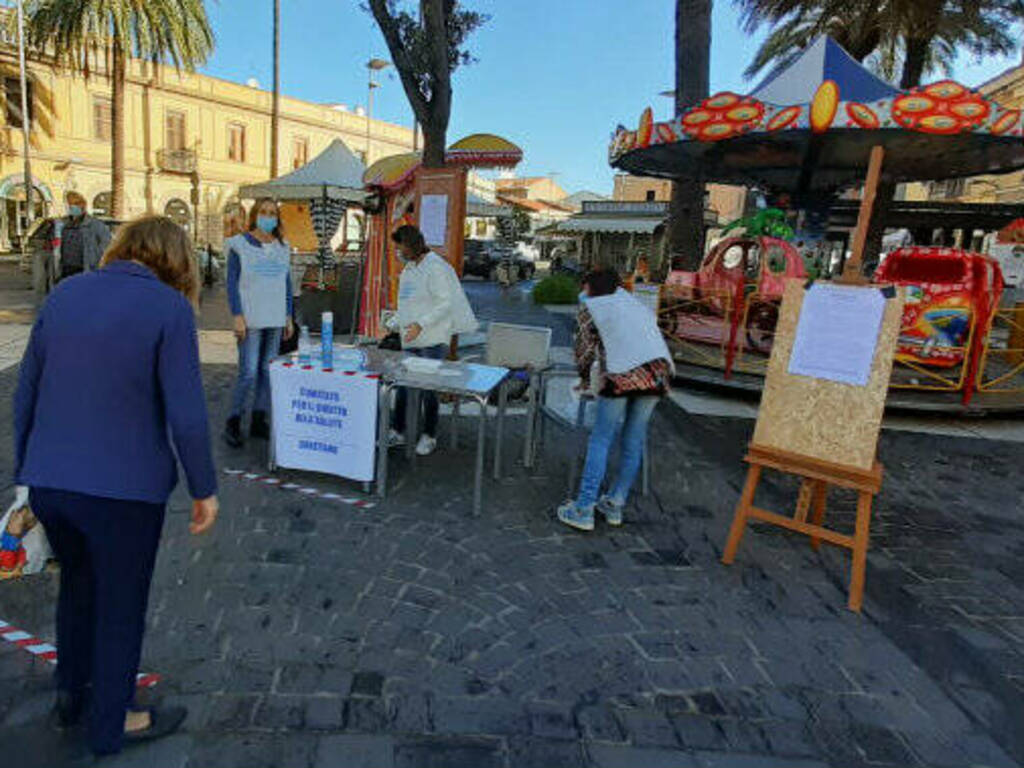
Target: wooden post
<point>851,272</point>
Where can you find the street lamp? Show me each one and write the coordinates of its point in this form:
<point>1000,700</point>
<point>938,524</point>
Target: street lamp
<point>372,66</point>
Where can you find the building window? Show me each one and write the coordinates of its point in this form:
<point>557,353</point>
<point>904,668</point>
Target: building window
<point>481,228</point>
<point>300,152</point>
<point>12,95</point>
<point>651,195</point>
<point>174,130</point>
<point>236,142</point>
<point>101,204</point>
<point>102,119</point>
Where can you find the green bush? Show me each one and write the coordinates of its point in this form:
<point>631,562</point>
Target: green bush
<point>556,289</point>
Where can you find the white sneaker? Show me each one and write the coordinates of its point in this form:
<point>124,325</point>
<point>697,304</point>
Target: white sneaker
<point>426,446</point>
<point>395,438</point>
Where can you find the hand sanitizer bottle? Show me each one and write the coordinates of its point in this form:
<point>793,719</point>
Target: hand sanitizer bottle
<point>305,346</point>
<point>327,339</point>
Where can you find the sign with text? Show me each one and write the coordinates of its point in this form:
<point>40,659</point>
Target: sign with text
<point>324,421</point>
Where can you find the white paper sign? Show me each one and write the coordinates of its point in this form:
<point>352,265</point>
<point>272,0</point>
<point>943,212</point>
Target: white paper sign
<point>837,333</point>
<point>324,422</point>
<point>434,219</point>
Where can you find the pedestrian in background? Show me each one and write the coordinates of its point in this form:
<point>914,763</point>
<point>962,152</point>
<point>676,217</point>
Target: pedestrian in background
<point>623,360</point>
<point>83,239</point>
<point>432,308</point>
<point>235,220</point>
<point>111,370</point>
<point>260,298</point>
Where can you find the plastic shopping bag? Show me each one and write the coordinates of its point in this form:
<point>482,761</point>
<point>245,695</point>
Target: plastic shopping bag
<point>24,549</point>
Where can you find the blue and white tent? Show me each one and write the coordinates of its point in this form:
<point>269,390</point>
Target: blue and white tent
<point>796,82</point>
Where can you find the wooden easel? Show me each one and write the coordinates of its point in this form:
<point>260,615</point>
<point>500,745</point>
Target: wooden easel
<point>788,439</point>
<point>817,477</point>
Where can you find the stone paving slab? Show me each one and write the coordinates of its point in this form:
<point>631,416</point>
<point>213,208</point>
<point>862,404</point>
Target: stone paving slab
<point>303,632</point>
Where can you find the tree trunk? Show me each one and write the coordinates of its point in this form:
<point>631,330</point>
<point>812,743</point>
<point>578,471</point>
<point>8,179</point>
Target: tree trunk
<point>275,112</point>
<point>434,138</point>
<point>117,101</point>
<point>693,53</point>
<point>914,63</point>
<point>913,72</point>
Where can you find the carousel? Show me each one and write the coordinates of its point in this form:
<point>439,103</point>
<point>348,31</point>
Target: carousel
<point>397,184</point>
<point>809,133</point>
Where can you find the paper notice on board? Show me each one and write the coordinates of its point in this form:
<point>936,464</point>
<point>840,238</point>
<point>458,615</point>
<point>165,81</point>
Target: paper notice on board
<point>837,334</point>
<point>434,219</point>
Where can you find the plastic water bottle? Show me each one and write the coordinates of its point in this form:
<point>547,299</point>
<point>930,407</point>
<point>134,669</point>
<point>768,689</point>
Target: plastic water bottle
<point>305,346</point>
<point>327,339</point>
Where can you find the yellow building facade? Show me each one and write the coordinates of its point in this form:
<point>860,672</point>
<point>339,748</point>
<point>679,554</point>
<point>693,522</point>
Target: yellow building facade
<point>191,141</point>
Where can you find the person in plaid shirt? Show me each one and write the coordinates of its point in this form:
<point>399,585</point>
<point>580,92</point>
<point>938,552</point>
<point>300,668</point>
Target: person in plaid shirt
<point>624,361</point>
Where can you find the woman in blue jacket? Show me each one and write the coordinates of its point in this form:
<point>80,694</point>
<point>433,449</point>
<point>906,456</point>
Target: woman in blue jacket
<point>111,368</point>
<point>260,298</point>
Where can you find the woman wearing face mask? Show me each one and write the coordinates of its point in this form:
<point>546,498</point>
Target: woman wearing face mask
<point>260,297</point>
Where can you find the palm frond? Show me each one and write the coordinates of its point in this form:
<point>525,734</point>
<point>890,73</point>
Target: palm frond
<point>79,32</point>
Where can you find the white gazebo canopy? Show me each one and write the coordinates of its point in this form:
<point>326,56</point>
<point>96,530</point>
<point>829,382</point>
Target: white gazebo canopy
<point>336,174</point>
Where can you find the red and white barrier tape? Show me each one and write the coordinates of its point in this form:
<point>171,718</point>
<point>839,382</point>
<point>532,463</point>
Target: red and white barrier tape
<point>47,652</point>
<point>252,477</point>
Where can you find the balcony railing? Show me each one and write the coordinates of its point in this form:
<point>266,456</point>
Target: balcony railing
<point>176,160</point>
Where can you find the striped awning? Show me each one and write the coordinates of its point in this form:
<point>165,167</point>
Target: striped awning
<point>640,225</point>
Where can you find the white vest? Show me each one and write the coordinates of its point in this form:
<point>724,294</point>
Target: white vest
<point>628,330</point>
<point>262,282</point>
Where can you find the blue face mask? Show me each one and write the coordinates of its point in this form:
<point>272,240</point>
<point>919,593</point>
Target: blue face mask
<point>583,296</point>
<point>75,210</point>
<point>267,223</point>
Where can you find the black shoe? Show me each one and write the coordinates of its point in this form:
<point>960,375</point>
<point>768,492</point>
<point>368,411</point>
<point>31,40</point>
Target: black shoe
<point>163,721</point>
<point>233,432</point>
<point>67,711</point>
<point>260,429</point>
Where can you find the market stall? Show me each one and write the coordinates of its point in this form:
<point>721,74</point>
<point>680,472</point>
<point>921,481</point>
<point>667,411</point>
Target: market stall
<point>433,199</point>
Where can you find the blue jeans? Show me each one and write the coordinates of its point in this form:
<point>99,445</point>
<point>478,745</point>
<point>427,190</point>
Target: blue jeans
<point>254,355</point>
<point>632,415</point>
<point>428,398</point>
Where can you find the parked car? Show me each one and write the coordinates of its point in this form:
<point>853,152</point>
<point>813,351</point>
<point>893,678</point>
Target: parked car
<point>44,245</point>
<point>563,264</point>
<point>482,257</point>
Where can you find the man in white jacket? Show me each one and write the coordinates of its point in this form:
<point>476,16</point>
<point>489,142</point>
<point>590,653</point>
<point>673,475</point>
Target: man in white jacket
<point>432,307</point>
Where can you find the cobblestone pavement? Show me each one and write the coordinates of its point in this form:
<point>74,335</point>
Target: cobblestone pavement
<point>304,632</point>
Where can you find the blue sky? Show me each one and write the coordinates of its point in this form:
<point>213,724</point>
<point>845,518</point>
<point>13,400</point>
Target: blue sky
<point>555,76</point>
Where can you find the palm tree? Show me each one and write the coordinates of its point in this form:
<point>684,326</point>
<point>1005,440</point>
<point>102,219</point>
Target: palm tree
<point>693,62</point>
<point>795,28</point>
<point>913,36</point>
<point>78,32</point>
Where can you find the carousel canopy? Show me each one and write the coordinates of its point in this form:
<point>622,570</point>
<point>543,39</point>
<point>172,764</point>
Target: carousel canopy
<point>481,150</point>
<point>484,150</point>
<point>393,171</point>
<point>820,137</point>
<point>335,173</point>
<point>824,60</point>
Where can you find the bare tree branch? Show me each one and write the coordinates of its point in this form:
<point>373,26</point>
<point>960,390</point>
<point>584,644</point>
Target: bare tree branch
<point>400,56</point>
